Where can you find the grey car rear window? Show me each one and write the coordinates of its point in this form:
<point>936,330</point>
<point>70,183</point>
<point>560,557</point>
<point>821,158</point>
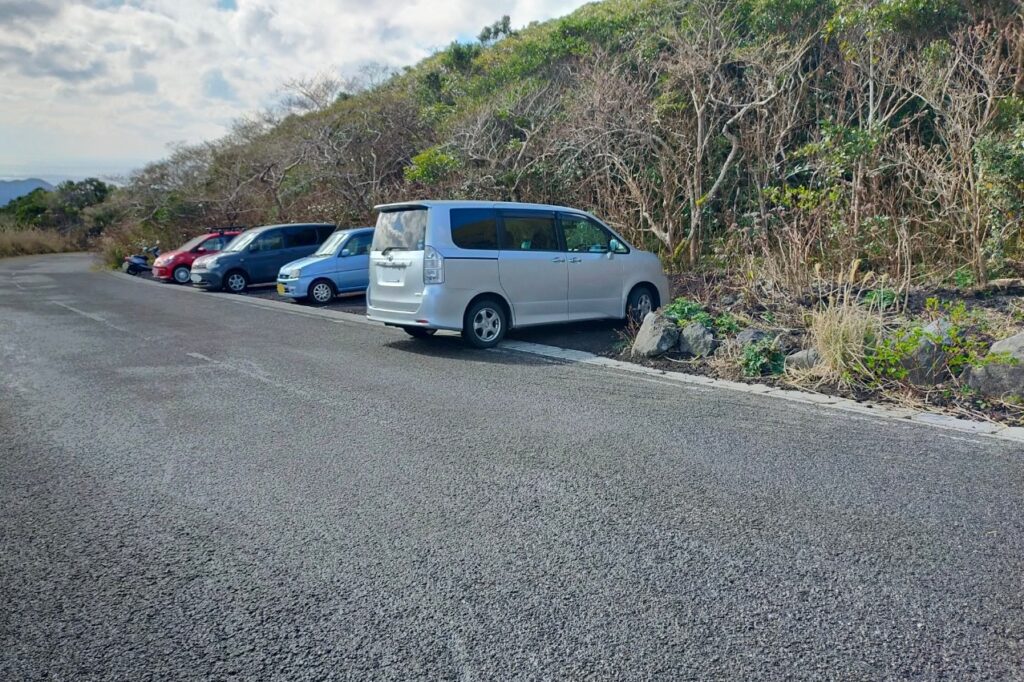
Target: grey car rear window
<point>402,230</point>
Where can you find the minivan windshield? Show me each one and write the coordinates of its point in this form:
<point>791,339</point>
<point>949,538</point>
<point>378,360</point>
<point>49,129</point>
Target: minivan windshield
<point>241,241</point>
<point>331,245</point>
<point>401,230</point>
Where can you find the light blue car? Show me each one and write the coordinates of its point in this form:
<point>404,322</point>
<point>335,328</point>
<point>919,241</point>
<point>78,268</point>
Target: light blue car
<point>341,265</point>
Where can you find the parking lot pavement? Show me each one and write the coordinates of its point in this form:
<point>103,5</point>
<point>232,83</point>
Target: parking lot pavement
<point>194,488</point>
<point>601,338</point>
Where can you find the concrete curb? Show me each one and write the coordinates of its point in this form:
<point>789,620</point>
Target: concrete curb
<point>879,410</point>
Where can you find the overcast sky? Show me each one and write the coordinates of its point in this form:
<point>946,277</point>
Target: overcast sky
<point>97,87</point>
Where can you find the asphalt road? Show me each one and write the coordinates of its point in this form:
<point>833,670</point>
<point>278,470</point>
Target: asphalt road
<point>195,486</point>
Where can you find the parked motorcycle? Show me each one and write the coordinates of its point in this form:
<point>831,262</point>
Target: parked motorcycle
<point>138,263</point>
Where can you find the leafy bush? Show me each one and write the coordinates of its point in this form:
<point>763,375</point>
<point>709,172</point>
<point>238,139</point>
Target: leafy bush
<point>762,357</point>
<point>431,166</point>
<point>726,324</point>
<point>684,311</point>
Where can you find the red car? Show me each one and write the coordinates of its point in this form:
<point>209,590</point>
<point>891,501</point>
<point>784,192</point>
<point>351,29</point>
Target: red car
<point>176,266</point>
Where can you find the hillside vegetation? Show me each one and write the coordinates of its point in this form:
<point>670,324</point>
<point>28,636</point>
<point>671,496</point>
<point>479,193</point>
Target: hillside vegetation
<point>52,219</point>
<point>784,139</point>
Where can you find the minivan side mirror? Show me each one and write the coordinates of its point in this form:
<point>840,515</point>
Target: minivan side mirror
<point>345,252</point>
<point>615,246</point>
<point>200,249</point>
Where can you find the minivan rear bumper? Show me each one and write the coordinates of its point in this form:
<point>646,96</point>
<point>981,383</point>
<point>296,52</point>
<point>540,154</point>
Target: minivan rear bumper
<point>438,309</point>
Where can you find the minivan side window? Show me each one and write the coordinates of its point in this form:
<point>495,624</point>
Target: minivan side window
<point>303,235</point>
<point>584,235</point>
<point>529,232</point>
<point>475,228</point>
<point>268,241</point>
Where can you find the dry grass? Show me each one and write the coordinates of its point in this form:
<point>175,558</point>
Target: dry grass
<point>842,331</point>
<point>29,242</point>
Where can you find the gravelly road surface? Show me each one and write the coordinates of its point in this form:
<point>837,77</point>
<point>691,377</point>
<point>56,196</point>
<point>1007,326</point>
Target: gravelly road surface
<point>194,486</point>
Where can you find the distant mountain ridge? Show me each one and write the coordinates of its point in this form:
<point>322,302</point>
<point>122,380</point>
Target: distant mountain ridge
<point>12,189</point>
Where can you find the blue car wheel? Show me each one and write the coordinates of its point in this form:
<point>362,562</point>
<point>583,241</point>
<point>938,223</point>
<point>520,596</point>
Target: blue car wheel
<point>321,291</point>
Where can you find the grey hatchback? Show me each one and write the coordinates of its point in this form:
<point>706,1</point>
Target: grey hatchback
<point>256,255</point>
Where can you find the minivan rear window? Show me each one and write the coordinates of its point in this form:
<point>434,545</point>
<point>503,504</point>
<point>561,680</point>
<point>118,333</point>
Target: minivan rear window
<point>303,235</point>
<point>401,230</point>
<point>475,228</point>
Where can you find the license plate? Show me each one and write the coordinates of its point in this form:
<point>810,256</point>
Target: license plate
<point>196,278</point>
<point>390,275</point>
<point>280,288</point>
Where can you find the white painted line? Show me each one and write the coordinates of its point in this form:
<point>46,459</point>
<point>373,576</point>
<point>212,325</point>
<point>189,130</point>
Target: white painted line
<point>91,316</point>
<point>875,410</point>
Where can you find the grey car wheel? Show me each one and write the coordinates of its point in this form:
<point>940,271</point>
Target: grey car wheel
<point>641,302</point>
<point>235,282</point>
<point>321,292</point>
<point>485,324</point>
<point>181,274</point>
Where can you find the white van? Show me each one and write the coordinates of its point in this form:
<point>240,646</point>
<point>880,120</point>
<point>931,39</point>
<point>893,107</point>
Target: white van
<point>482,267</point>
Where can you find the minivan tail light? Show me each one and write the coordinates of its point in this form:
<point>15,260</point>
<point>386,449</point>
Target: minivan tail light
<point>433,266</point>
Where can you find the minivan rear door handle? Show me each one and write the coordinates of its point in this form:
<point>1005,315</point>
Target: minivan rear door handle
<point>575,260</point>
<point>557,260</point>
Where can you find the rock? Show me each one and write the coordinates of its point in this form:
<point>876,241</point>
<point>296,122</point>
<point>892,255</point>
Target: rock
<point>1004,285</point>
<point>803,359</point>
<point>750,335</point>
<point>697,340</point>
<point>926,364</point>
<point>999,380</point>
<point>728,300</point>
<point>658,335</point>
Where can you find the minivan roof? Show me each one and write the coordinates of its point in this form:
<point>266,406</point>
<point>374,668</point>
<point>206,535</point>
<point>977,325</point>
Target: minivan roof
<point>454,203</point>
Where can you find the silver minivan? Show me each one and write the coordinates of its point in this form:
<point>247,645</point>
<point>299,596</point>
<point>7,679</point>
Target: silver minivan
<point>483,267</point>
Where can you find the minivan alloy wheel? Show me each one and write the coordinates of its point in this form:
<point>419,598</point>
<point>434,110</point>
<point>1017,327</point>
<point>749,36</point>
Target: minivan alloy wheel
<point>641,302</point>
<point>181,274</point>
<point>487,324</point>
<point>644,305</point>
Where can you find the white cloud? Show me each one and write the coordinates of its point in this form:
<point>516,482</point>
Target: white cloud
<point>114,81</point>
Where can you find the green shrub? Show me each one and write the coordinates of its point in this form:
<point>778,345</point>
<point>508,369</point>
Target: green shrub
<point>684,311</point>
<point>881,298</point>
<point>431,166</point>
<point>763,357</point>
<point>726,324</point>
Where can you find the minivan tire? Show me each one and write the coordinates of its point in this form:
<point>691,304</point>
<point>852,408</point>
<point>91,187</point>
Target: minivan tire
<point>485,323</point>
<point>419,332</point>
<point>181,274</point>
<point>236,282</point>
<point>640,302</point>
<point>321,292</point>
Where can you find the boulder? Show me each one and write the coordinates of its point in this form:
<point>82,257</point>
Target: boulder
<point>658,335</point>
<point>750,335</point>
<point>697,340</point>
<point>926,364</point>
<point>1001,380</point>
<point>803,359</point>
